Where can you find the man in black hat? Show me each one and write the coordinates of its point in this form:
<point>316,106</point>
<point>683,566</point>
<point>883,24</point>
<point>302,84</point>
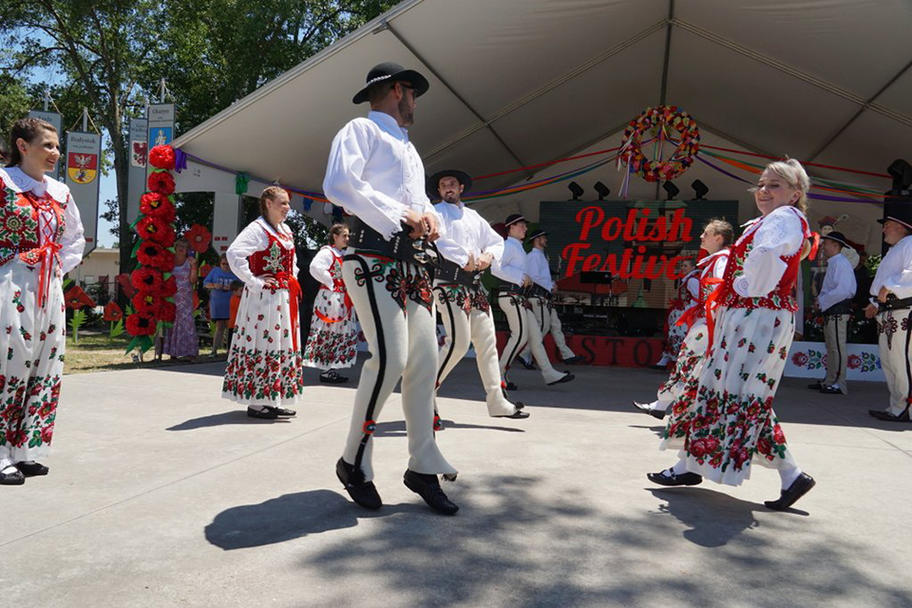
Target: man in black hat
<point>541,295</point>
<point>513,301</point>
<point>891,303</point>
<point>469,247</point>
<point>835,303</point>
<point>376,175</point>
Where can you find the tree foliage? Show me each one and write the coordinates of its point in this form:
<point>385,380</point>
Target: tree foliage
<point>113,53</point>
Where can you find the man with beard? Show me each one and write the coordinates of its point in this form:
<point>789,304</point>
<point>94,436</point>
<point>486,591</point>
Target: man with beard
<point>469,247</point>
<point>376,175</point>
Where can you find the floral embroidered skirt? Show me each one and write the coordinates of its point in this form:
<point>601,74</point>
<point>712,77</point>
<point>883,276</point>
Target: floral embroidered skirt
<point>32,344</point>
<point>674,336</point>
<point>333,338</point>
<point>725,420</point>
<point>264,367</point>
<point>686,372</point>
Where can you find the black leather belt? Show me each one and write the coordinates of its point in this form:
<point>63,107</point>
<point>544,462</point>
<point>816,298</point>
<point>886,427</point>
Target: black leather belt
<point>512,289</point>
<point>450,272</point>
<point>400,247</point>
<point>894,303</point>
<point>537,291</point>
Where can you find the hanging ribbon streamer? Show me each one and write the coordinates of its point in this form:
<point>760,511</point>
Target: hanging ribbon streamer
<point>180,160</point>
<point>240,183</point>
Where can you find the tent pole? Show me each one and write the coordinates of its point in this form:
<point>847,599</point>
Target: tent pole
<point>663,91</point>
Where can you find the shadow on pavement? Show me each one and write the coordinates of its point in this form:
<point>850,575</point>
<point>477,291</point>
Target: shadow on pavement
<point>396,428</point>
<point>232,417</point>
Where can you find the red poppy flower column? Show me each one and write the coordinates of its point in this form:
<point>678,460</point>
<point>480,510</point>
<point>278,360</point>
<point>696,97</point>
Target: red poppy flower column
<point>153,302</point>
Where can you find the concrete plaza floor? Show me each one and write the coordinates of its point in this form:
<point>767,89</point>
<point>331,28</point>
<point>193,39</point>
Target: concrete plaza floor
<point>161,494</point>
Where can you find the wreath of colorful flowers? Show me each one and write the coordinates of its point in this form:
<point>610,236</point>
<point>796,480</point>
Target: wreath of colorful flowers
<point>155,253</point>
<point>662,123</point>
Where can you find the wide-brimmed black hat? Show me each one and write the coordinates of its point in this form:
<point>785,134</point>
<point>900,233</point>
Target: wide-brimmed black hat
<point>535,234</point>
<point>513,218</point>
<point>836,236</point>
<point>392,72</point>
<point>898,212</point>
<point>433,182</point>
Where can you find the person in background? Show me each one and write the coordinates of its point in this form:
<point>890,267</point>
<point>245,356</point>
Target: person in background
<point>891,305</point>
<point>180,340</point>
<point>218,282</point>
<point>264,369</point>
<point>332,342</point>
<point>835,304</point>
<point>41,239</point>
<point>237,289</point>
<point>688,289</point>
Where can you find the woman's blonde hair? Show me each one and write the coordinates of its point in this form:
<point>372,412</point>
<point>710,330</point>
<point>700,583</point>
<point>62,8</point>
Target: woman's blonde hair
<point>795,176</point>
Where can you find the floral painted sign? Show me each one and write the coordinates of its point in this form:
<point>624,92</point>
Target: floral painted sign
<point>808,360</point>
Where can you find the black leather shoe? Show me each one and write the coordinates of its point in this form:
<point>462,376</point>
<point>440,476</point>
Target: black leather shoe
<point>527,363</point>
<point>889,417</point>
<point>787,498</point>
<point>284,412</point>
<point>16,478</point>
<point>644,407</point>
<point>331,377</point>
<point>667,478</point>
<point>267,414</point>
<point>511,386</point>
<point>517,415</point>
<point>428,487</point>
<point>567,377</point>
<point>362,492</point>
<point>32,469</point>
<point>573,360</point>
<point>815,386</point>
<point>830,389</point>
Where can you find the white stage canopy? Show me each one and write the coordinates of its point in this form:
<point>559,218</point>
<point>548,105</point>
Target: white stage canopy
<point>515,83</point>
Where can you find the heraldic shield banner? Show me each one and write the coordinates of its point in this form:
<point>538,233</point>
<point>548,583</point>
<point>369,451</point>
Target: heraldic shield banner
<point>82,166</point>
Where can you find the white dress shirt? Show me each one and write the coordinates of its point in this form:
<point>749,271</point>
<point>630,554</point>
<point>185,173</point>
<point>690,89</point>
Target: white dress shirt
<point>375,173</point>
<point>512,264</point>
<point>322,262</point>
<point>252,239</point>
<point>72,241</point>
<point>467,233</point>
<point>895,271</point>
<point>779,233</point>
<point>538,270</point>
<point>838,282</point>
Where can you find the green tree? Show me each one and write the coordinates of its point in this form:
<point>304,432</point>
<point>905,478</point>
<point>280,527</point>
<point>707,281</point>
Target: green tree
<point>113,53</point>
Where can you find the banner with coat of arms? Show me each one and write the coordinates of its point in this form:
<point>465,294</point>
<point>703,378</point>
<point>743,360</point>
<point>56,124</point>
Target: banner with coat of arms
<point>83,161</point>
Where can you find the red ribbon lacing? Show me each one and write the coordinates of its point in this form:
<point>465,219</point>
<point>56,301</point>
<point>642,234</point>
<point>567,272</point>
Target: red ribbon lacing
<point>294,295</point>
<point>50,252</point>
<point>713,301</point>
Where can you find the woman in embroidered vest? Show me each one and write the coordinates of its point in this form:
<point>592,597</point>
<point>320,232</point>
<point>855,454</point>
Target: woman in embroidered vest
<point>686,298</point>
<point>181,341</point>
<point>716,238</point>
<point>333,339</point>
<point>731,420</point>
<point>41,239</point>
<point>264,362</point>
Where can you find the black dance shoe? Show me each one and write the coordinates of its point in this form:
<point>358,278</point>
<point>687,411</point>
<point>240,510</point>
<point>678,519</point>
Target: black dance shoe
<point>428,487</point>
<point>573,360</point>
<point>527,363</point>
<point>667,478</point>
<point>267,414</point>
<point>567,377</point>
<point>517,415</point>
<point>815,386</point>
<point>362,492</point>
<point>283,412</point>
<point>890,417</point>
<point>644,407</point>
<point>787,498</point>
<point>16,478</point>
<point>830,389</point>
<point>331,377</point>
<point>32,469</point>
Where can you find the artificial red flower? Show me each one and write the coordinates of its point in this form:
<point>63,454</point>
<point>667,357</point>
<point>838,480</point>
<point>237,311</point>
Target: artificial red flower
<point>168,288</point>
<point>154,255</point>
<point>147,302</point>
<point>141,324</point>
<point>123,280</point>
<point>167,312</point>
<point>162,157</point>
<point>76,298</point>
<point>204,270</point>
<point>112,312</point>
<point>199,238</point>
<point>161,182</point>
<point>148,280</point>
<point>159,205</point>
<point>154,228</point>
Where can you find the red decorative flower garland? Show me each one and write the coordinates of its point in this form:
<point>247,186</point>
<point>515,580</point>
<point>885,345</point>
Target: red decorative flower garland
<point>661,123</point>
<point>155,286</point>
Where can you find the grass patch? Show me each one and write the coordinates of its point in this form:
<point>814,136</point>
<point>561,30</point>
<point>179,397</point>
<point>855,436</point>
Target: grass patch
<point>97,351</point>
